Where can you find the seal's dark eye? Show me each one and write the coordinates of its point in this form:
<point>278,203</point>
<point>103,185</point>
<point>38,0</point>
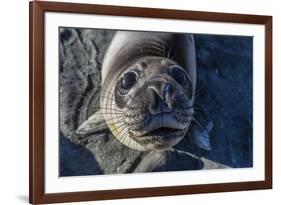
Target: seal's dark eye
<point>179,75</point>
<point>129,79</point>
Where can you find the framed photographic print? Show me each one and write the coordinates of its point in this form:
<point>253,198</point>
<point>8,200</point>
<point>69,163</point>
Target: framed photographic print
<point>138,102</point>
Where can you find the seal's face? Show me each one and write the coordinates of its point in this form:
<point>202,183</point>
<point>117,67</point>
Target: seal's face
<point>150,106</point>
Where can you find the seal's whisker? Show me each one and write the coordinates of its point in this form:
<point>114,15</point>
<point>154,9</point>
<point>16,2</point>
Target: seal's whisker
<point>131,107</point>
<point>116,117</point>
<point>177,101</point>
<point>112,94</point>
<point>127,108</point>
<point>180,101</point>
<point>130,139</point>
<point>108,108</point>
<point>196,94</point>
<point>113,109</point>
<point>108,113</point>
<point>141,100</point>
<point>136,145</point>
<point>124,112</point>
<point>135,108</point>
<point>122,138</point>
<point>197,108</point>
<point>173,57</point>
<point>121,124</point>
<point>186,107</point>
<point>118,134</point>
<point>111,98</point>
<point>115,120</point>
<point>122,103</point>
<point>199,124</point>
<point>120,121</point>
<point>199,92</point>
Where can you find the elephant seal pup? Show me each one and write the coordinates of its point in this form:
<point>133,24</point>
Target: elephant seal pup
<point>148,90</point>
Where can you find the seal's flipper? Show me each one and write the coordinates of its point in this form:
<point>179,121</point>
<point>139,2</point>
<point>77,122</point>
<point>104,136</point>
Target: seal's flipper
<point>152,160</point>
<point>210,164</point>
<point>201,137</point>
<point>95,123</point>
<point>169,160</point>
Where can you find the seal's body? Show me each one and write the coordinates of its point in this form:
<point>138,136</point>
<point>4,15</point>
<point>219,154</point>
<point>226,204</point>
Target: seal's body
<point>148,89</point>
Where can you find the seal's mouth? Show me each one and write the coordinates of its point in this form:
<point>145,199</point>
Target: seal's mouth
<point>163,124</point>
<point>162,131</point>
<point>158,131</point>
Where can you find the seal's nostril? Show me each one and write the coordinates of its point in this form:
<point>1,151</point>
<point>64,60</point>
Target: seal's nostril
<point>167,89</point>
<point>168,95</point>
<point>169,100</point>
<point>153,101</point>
<point>160,98</point>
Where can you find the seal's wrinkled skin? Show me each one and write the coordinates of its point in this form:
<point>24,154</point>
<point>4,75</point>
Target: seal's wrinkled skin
<point>148,89</point>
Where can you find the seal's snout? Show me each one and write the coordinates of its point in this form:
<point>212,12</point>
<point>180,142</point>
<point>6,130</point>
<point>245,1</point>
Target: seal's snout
<point>161,98</point>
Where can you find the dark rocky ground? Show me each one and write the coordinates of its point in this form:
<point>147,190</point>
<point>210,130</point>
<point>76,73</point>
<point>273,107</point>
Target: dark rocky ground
<point>224,98</point>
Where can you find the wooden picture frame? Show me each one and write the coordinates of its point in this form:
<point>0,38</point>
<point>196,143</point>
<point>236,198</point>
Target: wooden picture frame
<point>37,10</point>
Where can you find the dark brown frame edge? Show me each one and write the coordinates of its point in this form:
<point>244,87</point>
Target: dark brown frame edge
<point>37,194</point>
